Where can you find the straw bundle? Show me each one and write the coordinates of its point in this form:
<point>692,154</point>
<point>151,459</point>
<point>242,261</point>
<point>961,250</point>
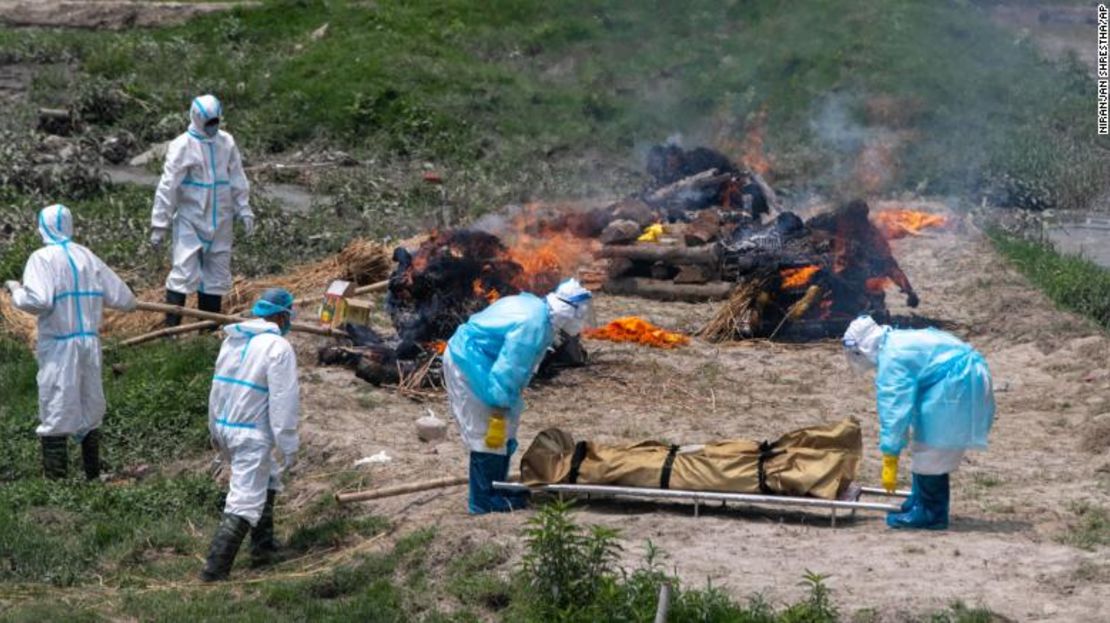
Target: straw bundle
<point>739,314</point>
<point>20,325</point>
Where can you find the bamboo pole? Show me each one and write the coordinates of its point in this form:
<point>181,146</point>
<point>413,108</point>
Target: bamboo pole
<point>226,319</point>
<point>411,487</point>
<point>197,326</point>
<point>664,606</point>
<point>168,331</point>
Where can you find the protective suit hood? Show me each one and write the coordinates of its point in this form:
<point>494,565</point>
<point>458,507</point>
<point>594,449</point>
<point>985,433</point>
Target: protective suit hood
<point>203,108</point>
<point>55,224</point>
<point>862,342</point>
<point>571,308</point>
<point>250,329</point>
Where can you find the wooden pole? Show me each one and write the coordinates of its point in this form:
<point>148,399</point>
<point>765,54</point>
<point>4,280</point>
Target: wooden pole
<point>207,324</point>
<point>411,487</point>
<point>168,331</point>
<point>377,286</point>
<point>668,291</point>
<point>226,319</point>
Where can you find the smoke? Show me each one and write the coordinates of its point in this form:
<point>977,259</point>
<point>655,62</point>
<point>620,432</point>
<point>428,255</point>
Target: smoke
<point>864,158</point>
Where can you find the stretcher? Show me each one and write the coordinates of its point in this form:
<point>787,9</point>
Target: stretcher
<point>848,503</point>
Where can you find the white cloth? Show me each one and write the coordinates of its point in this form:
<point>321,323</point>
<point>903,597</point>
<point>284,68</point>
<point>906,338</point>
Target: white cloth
<point>932,461</point>
<point>471,413</point>
<point>202,191</point>
<point>254,407</point>
<point>67,287</point>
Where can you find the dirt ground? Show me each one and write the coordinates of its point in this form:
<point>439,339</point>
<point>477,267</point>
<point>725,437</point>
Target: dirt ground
<point>104,14</point>
<point>1011,504</point>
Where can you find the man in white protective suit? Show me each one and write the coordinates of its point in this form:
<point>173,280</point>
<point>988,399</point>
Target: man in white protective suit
<point>253,408</point>
<point>203,191</point>
<point>67,287</point>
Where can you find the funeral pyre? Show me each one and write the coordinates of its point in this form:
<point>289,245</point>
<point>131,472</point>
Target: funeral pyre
<point>697,233</point>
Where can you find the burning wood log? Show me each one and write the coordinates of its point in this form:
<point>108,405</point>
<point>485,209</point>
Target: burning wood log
<point>620,232</point>
<point>692,273</point>
<point>706,178</point>
<point>708,255</point>
<point>705,228</point>
<point>667,291</point>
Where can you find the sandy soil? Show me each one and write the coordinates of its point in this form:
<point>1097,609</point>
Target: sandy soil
<point>1010,504</point>
<point>104,14</point>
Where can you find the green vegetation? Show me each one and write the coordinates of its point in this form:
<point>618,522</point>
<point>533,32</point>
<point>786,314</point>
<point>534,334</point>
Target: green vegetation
<point>1090,528</point>
<point>1073,283</point>
<point>518,98</point>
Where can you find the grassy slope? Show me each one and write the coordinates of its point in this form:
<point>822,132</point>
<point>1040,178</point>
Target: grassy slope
<point>1073,283</point>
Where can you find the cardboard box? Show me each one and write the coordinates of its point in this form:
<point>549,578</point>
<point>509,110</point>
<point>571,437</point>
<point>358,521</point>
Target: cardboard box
<point>333,309</point>
<point>358,311</point>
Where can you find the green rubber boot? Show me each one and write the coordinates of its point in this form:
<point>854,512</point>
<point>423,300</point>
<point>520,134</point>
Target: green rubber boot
<point>55,457</point>
<point>265,548</point>
<point>225,545</point>
<point>90,454</point>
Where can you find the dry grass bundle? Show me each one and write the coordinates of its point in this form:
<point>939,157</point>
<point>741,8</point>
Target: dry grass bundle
<point>20,325</point>
<point>735,319</point>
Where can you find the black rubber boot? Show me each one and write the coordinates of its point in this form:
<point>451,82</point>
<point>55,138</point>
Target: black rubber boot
<point>209,303</point>
<point>174,298</point>
<point>90,454</point>
<point>55,457</point>
<point>265,548</point>
<point>225,545</point>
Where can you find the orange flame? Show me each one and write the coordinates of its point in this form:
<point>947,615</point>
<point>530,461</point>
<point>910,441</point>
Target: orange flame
<point>899,223</point>
<point>490,295</point>
<point>798,277</point>
<point>755,156</point>
<point>637,330</point>
<point>438,347</point>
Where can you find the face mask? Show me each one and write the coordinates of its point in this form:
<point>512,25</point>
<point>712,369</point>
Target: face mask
<point>286,325</point>
<point>212,129</point>
<point>858,362</point>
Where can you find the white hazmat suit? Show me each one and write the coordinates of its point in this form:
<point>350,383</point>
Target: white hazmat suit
<point>202,191</point>
<point>67,287</point>
<point>253,408</point>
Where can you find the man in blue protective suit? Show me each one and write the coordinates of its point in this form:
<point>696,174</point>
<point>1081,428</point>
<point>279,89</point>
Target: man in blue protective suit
<point>253,409</point>
<point>931,388</point>
<point>202,192</point>
<point>67,287</point>
<point>488,363</point>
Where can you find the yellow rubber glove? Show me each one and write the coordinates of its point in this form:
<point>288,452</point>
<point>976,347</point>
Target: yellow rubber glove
<point>890,472</point>
<point>495,431</point>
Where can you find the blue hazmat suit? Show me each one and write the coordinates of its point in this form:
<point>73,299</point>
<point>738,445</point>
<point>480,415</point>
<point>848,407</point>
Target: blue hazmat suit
<point>487,364</point>
<point>935,384</point>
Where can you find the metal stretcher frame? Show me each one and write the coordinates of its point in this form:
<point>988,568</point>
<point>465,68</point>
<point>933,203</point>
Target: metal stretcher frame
<point>700,497</point>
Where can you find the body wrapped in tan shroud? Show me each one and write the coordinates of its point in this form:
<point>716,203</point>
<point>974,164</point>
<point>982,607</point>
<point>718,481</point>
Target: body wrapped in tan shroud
<point>817,461</point>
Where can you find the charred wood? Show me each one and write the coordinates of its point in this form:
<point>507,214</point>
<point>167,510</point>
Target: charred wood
<point>667,291</point>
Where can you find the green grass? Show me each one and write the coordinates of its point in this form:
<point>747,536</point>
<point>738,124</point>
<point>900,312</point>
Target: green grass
<point>157,408</point>
<point>518,98</point>
<point>1073,283</point>
<point>1090,528</point>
